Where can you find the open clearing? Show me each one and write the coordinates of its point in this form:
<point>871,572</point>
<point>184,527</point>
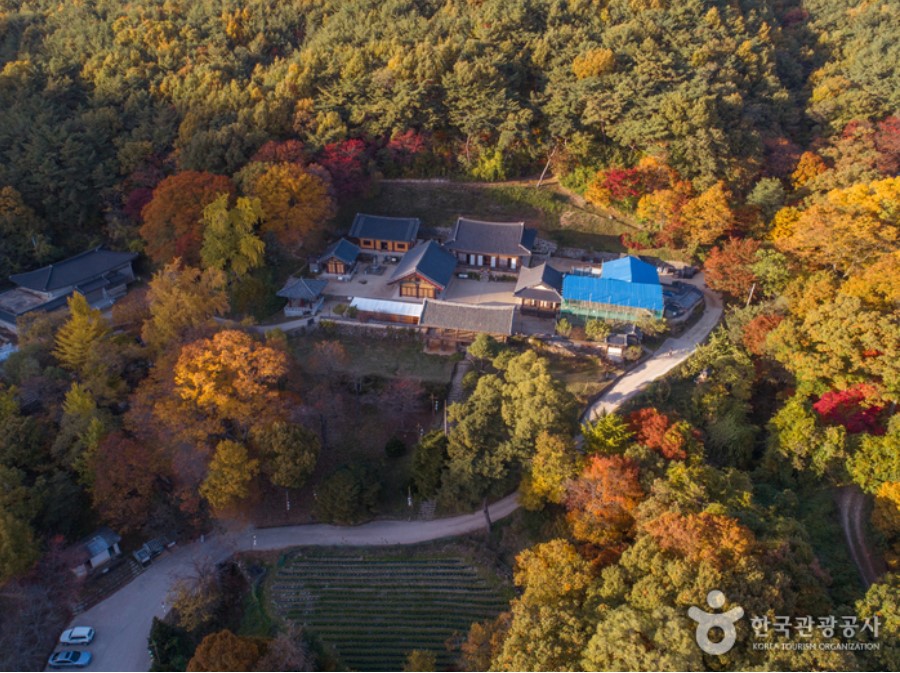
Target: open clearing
<point>372,606</point>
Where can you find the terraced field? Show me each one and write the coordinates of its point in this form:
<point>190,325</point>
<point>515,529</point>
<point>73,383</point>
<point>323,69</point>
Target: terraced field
<point>372,607</point>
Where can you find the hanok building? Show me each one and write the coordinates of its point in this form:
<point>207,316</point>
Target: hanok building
<point>627,290</point>
<point>540,289</point>
<point>496,245</point>
<point>424,272</point>
<point>454,324</point>
<point>100,275</point>
<point>339,258</point>
<point>304,295</point>
<point>384,234</point>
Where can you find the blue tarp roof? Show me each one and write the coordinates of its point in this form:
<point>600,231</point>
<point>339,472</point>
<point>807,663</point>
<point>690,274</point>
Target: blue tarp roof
<point>631,270</point>
<point>613,291</point>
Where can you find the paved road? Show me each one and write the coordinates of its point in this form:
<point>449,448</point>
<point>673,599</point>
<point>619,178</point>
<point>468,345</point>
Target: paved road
<point>672,353</point>
<point>123,620</point>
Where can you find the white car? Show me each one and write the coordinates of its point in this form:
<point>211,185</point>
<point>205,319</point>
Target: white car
<point>80,635</point>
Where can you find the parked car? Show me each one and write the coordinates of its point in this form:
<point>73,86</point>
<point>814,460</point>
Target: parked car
<point>70,659</point>
<point>79,635</point>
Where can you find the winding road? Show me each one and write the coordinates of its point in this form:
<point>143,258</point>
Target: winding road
<point>123,620</point>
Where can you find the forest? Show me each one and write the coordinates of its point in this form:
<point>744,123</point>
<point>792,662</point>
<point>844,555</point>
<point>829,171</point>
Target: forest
<point>759,139</point>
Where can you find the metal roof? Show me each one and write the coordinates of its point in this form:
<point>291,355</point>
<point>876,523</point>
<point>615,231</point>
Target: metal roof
<point>76,270</point>
<point>380,228</point>
<point>386,306</point>
<point>630,270</point>
<point>491,238</point>
<point>427,259</point>
<point>468,317</point>
<point>343,250</point>
<point>612,291</point>
<point>308,289</point>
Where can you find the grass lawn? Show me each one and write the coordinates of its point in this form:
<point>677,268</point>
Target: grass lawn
<point>371,606</point>
<point>553,212</point>
<point>388,358</point>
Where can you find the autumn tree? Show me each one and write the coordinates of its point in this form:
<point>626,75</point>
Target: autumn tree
<point>672,439</point>
<point>288,452</point>
<point>703,537</point>
<point>346,162</point>
<point>288,651</point>
<point>230,472</point>
<point>296,204</point>
<point>230,379</point>
<point>602,500</point>
<point>125,478</point>
<point>229,239</point>
<point>709,216</point>
<point>224,651</point>
<point>554,464</point>
<point>182,299</point>
<point>882,601</point>
<point>729,267</point>
<point>172,220</point>
<point>420,660</point>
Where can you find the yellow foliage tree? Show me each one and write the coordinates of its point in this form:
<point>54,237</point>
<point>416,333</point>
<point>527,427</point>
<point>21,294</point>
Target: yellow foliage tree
<point>230,472</point>
<point>886,517</point>
<point>182,299</point>
<point>594,63</point>
<point>230,377</point>
<point>229,241</point>
<point>296,202</point>
<point>708,217</point>
<point>809,166</point>
<point>849,229</point>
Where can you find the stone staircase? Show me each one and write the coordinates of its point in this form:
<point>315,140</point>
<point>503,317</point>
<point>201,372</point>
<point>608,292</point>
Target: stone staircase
<point>102,584</point>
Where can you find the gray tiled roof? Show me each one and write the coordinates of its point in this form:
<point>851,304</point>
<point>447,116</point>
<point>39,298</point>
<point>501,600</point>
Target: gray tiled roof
<point>81,268</point>
<point>308,289</point>
<point>380,228</point>
<point>468,317</point>
<point>491,238</point>
<point>343,250</point>
<point>428,259</point>
<point>541,282</point>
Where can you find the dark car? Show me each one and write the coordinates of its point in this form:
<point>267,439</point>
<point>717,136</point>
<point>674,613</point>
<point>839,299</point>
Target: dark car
<point>70,659</point>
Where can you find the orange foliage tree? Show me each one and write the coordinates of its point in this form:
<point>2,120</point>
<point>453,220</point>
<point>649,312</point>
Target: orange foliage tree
<point>658,432</point>
<point>296,203</point>
<point>224,651</point>
<point>231,378</point>
<point>124,484</point>
<point>172,220</point>
<point>600,502</point>
<point>756,331</point>
<point>713,538</point>
<point>728,268</point>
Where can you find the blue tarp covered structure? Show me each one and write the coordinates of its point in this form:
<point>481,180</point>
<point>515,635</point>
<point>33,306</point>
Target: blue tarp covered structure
<point>627,289</point>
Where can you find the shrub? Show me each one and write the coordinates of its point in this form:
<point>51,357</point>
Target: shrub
<point>563,327</point>
<point>340,309</point>
<point>352,312</point>
<point>596,330</point>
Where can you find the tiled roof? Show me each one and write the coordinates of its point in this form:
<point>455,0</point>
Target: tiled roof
<point>343,250</point>
<point>308,289</point>
<point>491,238</point>
<point>427,259</point>
<point>380,228</point>
<point>631,270</point>
<point>468,317</point>
<point>76,270</point>
<point>541,282</point>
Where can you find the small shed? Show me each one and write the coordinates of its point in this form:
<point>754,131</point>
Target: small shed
<point>93,552</point>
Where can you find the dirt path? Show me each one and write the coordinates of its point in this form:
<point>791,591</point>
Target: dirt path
<point>851,503</point>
